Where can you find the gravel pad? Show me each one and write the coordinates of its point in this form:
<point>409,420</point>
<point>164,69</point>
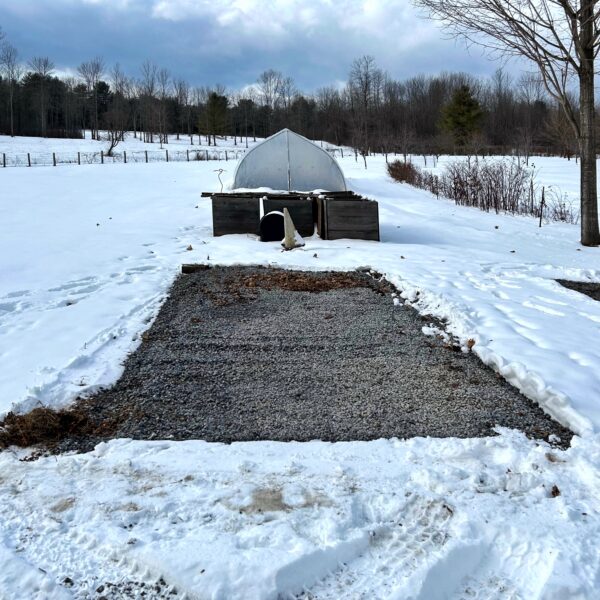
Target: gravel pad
<point>264,354</point>
<point>589,289</point>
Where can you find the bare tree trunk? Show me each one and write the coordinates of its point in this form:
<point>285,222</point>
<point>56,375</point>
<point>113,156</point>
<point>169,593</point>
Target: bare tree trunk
<point>12,117</point>
<point>590,234</point>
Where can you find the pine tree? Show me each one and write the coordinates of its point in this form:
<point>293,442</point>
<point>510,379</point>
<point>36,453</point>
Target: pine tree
<point>461,116</point>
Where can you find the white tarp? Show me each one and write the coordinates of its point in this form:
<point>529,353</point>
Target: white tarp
<point>288,161</point>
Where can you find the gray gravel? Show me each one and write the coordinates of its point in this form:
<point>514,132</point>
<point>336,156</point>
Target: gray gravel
<point>589,289</point>
<point>227,362</point>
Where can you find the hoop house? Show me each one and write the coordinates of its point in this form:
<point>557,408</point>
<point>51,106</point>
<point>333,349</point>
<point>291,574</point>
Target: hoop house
<point>288,161</point>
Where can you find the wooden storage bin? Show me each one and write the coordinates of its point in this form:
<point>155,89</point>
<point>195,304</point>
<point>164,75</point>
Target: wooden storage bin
<point>353,219</point>
<point>300,209</point>
<point>235,214</point>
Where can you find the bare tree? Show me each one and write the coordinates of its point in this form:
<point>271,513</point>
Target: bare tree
<point>163,79</point>
<point>43,67</point>
<point>269,86</point>
<point>562,38</point>
<point>13,72</point>
<point>182,94</point>
<point>364,89</point>
<point>148,98</point>
<point>116,118</point>
<point>91,72</point>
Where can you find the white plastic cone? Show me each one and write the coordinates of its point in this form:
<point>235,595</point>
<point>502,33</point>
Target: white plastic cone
<point>292,238</point>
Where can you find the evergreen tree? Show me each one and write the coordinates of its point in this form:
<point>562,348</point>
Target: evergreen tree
<point>216,115</point>
<point>461,116</point>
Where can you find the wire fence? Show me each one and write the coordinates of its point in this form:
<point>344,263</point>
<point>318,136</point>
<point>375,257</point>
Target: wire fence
<point>54,159</point>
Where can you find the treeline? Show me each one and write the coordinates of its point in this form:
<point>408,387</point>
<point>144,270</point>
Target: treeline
<point>371,113</point>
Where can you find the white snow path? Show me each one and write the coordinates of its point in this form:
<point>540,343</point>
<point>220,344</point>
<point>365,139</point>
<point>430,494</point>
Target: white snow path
<point>421,519</point>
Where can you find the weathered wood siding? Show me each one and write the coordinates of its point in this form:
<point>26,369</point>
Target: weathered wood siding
<point>300,209</point>
<point>353,219</point>
<point>235,214</point>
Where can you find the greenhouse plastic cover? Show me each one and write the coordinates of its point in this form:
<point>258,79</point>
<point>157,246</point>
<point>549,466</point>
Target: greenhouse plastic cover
<point>288,161</point>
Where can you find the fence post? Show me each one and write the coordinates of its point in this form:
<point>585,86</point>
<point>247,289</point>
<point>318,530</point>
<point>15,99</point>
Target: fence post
<point>54,159</point>
<point>28,159</point>
<point>125,156</point>
<point>206,154</point>
<point>226,156</point>
<point>102,156</point>
<point>188,155</point>
<point>146,152</point>
<point>167,154</point>
<point>79,158</point>
<point>4,159</point>
<point>342,151</point>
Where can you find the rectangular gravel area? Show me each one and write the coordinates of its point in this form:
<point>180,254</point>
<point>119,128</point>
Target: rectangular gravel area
<point>252,353</point>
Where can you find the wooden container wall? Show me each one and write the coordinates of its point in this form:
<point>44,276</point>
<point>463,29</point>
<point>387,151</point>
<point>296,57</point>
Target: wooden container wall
<point>300,209</point>
<point>352,219</point>
<point>235,214</point>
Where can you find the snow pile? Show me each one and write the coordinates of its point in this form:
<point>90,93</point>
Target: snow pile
<point>503,517</point>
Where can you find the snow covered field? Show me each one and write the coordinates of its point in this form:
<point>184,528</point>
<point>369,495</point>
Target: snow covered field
<point>87,253</point>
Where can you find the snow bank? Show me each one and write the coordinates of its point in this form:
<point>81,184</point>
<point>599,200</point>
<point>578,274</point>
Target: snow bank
<point>424,519</point>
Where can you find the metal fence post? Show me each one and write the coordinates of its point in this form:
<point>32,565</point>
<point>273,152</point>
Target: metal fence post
<point>167,154</point>
<point>146,152</point>
<point>125,156</point>
<point>79,158</point>
<point>4,159</point>
<point>53,159</point>
<point>28,159</point>
<point>102,156</point>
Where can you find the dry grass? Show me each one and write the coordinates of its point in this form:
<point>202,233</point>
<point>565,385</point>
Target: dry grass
<point>47,427</point>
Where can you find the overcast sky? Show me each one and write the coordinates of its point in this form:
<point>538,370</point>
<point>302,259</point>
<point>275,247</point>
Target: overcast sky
<point>232,41</point>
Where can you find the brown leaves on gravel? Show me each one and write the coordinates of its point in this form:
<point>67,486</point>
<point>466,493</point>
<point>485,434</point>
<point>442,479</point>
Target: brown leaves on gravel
<point>303,282</point>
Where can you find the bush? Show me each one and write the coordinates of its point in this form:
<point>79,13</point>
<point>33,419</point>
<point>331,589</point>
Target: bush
<point>495,185</point>
<point>404,172</point>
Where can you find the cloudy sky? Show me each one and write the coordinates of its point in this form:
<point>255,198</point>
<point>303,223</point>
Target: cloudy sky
<point>232,41</point>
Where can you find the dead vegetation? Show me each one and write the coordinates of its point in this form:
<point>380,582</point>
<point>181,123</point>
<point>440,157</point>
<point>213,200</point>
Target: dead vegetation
<point>303,282</point>
<point>48,427</point>
<point>245,288</point>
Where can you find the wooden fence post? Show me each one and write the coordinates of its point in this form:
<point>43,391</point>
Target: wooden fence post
<point>28,159</point>
<point>167,154</point>
<point>146,152</point>
<point>79,158</point>
<point>53,159</point>
<point>101,156</point>
<point>125,156</point>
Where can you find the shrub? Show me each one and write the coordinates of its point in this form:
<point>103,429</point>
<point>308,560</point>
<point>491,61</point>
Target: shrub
<point>495,185</point>
<point>404,172</point>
